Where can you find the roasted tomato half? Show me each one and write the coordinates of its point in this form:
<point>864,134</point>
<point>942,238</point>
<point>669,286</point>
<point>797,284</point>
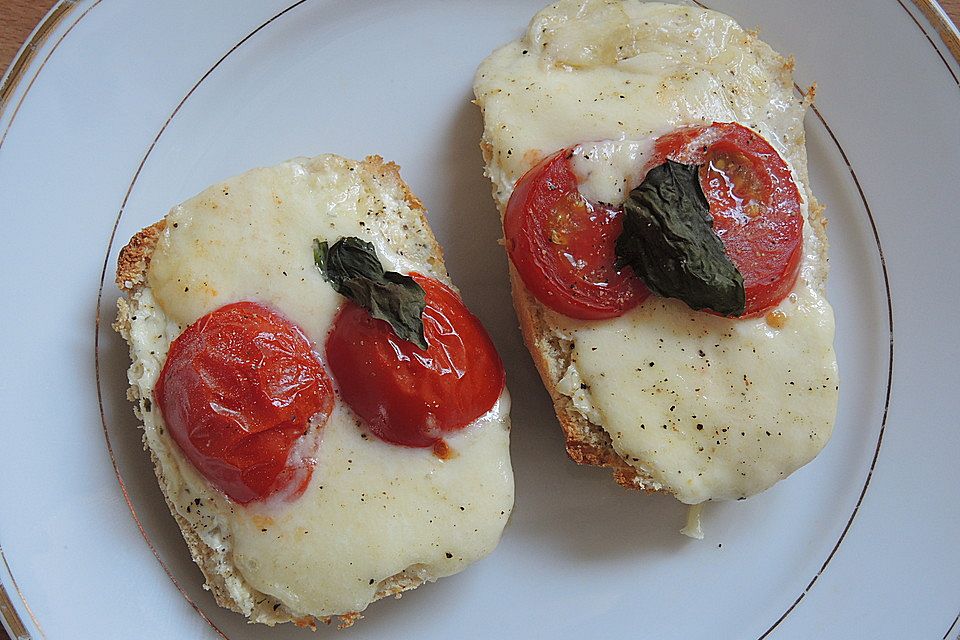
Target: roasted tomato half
<point>562,246</point>
<point>754,202</point>
<point>408,395</point>
<point>238,392</point>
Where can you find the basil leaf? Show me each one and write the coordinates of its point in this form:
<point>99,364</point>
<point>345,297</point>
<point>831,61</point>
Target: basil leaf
<point>669,241</point>
<point>320,251</point>
<point>353,269</point>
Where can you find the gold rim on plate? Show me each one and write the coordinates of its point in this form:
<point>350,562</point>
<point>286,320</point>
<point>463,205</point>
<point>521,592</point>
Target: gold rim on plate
<point>15,77</point>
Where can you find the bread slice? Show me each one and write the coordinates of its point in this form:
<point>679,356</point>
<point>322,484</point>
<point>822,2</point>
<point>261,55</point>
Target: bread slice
<point>588,443</point>
<point>139,313</point>
<point>524,84</point>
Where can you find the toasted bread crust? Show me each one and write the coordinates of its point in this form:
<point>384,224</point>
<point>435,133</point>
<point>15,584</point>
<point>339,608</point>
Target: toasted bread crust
<point>135,257</point>
<point>586,442</point>
<point>131,277</point>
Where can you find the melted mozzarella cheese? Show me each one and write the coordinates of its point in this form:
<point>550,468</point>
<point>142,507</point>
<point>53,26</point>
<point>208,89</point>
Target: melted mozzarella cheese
<point>250,238</point>
<point>607,170</point>
<point>371,509</point>
<point>707,407</point>
<point>594,70</point>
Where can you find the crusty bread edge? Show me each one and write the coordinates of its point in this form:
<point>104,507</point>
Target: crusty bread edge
<point>131,277</point>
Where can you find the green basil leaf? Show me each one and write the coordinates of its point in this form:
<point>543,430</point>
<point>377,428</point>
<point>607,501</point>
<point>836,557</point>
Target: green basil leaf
<point>353,269</point>
<point>669,241</point>
<point>320,251</point>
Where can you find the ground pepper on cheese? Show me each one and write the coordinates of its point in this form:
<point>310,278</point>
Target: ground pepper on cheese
<point>371,509</point>
<point>708,407</point>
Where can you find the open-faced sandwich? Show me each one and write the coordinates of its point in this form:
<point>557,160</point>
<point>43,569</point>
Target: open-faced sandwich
<point>328,422</point>
<point>668,258</point>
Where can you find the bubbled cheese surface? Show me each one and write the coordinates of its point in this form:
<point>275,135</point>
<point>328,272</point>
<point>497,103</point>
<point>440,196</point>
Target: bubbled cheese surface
<point>708,407</point>
<point>372,509</point>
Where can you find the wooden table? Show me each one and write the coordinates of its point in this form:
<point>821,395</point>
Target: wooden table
<point>19,17</point>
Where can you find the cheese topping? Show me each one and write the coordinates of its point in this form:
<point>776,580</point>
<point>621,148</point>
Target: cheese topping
<point>372,509</point>
<point>707,407</point>
<point>607,170</point>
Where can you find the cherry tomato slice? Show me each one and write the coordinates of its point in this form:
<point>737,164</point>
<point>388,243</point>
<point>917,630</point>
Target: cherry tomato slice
<point>412,396</point>
<point>754,202</point>
<point>563,246</point>
<point>237,392</point>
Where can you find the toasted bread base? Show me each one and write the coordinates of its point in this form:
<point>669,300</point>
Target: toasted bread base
<point>588,443</point>
<point>223,580</point>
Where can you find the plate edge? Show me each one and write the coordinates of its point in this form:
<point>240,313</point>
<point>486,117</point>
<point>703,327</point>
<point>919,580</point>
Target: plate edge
<point>28,51</point>
<point>9,615</point>
<point>948,31</point>
<point>15,73</point>
<point>11,80</point>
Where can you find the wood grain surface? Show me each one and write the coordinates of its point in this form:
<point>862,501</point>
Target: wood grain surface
<point>952,7</point>
<point>19,17</point>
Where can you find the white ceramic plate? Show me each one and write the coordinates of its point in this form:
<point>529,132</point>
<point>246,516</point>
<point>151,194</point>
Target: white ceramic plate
<point>123,109</point>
